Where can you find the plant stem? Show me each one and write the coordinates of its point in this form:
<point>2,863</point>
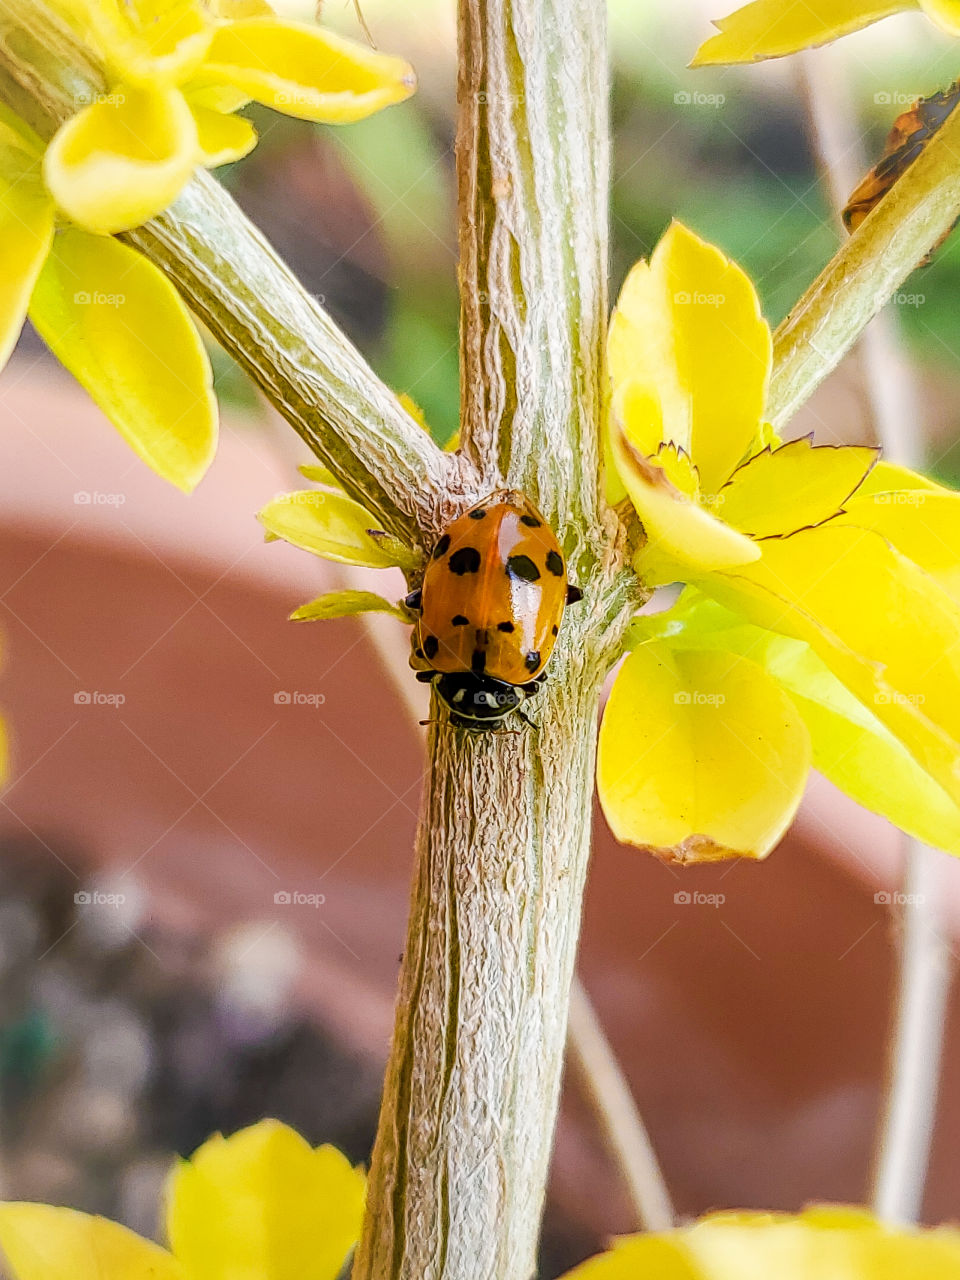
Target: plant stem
<point>925,970</point>
<point>253,304</point>
<point>624,1132</point>
<point>460,1163</point>
<point>865,273</point>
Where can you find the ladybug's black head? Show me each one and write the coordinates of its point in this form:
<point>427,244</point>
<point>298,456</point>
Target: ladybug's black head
<point>478,702</point>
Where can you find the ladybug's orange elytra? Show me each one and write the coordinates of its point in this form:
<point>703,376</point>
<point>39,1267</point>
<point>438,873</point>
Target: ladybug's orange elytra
<point>491,605</point>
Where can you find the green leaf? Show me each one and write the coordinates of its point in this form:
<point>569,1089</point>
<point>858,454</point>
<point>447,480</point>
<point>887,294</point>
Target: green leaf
<point>341,604</point>
<point>117,323</point>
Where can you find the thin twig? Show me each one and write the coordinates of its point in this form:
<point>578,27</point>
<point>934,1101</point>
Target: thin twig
<point>625,1135</point>
<point>925,970</point>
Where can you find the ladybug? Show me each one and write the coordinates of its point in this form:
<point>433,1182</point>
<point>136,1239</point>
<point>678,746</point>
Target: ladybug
<point>490,608</point>
<point>911,132</point>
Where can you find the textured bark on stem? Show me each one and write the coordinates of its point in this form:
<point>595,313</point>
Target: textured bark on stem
<point>460,1164</point>
<point>252,303</point>
<point>864,274</point>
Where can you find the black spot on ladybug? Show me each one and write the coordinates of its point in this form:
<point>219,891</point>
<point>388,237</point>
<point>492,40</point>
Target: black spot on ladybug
<point>555,563</point>
<point>431,647</point>
<point>442,546</point>
<point>478,514</point>
<point>478,662</point>
<point>531,522</point>
<point>458,620</point>
<point>532,660</point>
<point>466,560</point>
<point>555,629</point>
<point>522,567</point>
<point>505,626</point>
<point>418,653</point>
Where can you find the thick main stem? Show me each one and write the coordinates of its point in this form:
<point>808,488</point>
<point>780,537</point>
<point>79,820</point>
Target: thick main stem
<point>460,1164</point>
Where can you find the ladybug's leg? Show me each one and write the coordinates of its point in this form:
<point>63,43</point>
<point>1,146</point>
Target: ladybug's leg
<point>574,594</point>
<point>426,677</point>
<point>414,600</point>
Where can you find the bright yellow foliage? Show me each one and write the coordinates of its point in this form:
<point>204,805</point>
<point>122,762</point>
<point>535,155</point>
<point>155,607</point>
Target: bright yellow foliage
<point>822,1243</point>
<point>260,1205</point>
<point>841,576</point>
<point>772,28</point>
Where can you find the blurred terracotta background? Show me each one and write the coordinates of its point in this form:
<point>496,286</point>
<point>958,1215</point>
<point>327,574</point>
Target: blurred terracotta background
<point>183,757</point>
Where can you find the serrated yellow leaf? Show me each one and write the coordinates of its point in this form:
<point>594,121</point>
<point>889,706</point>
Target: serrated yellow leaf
<point>885,628</point>
<point>682,538</point>
<point>222,138</point>
<point>119,326</point>
<point>264,1205</point>
<point>792,487</point>
<point>328,524</point>
<point>701,756</point>
<point>304,71</point>
<point>26,233</point>
<point>343,604</point>
<point>825,1242</point>
<point>772,28</point>
<point>688,332</point>
<point>42,1242</point>
<point>122,160</point>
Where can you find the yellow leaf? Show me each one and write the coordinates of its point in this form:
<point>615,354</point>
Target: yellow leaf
<point>222,138</point>
<point>264,1205</point>
<point>689,333</point>
<point>122,160</point>
<point>342,604</point>
<point>887,477</point>
<point>117,323</point>
<point>305,72</point>
<point>41,1242</point>
<point>328,524</point>
<point>792,487</point>
<point>153,43</point>
<point>681,536</point>
<point>945,13</point>
<point>320,475</point>
<point>822,1243</point>
<point>923,525</point>
<point>26,233</point>
<point>772,28</point>
<point>850,745</point>
<point>701,756</point>
<point>882,625</point>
